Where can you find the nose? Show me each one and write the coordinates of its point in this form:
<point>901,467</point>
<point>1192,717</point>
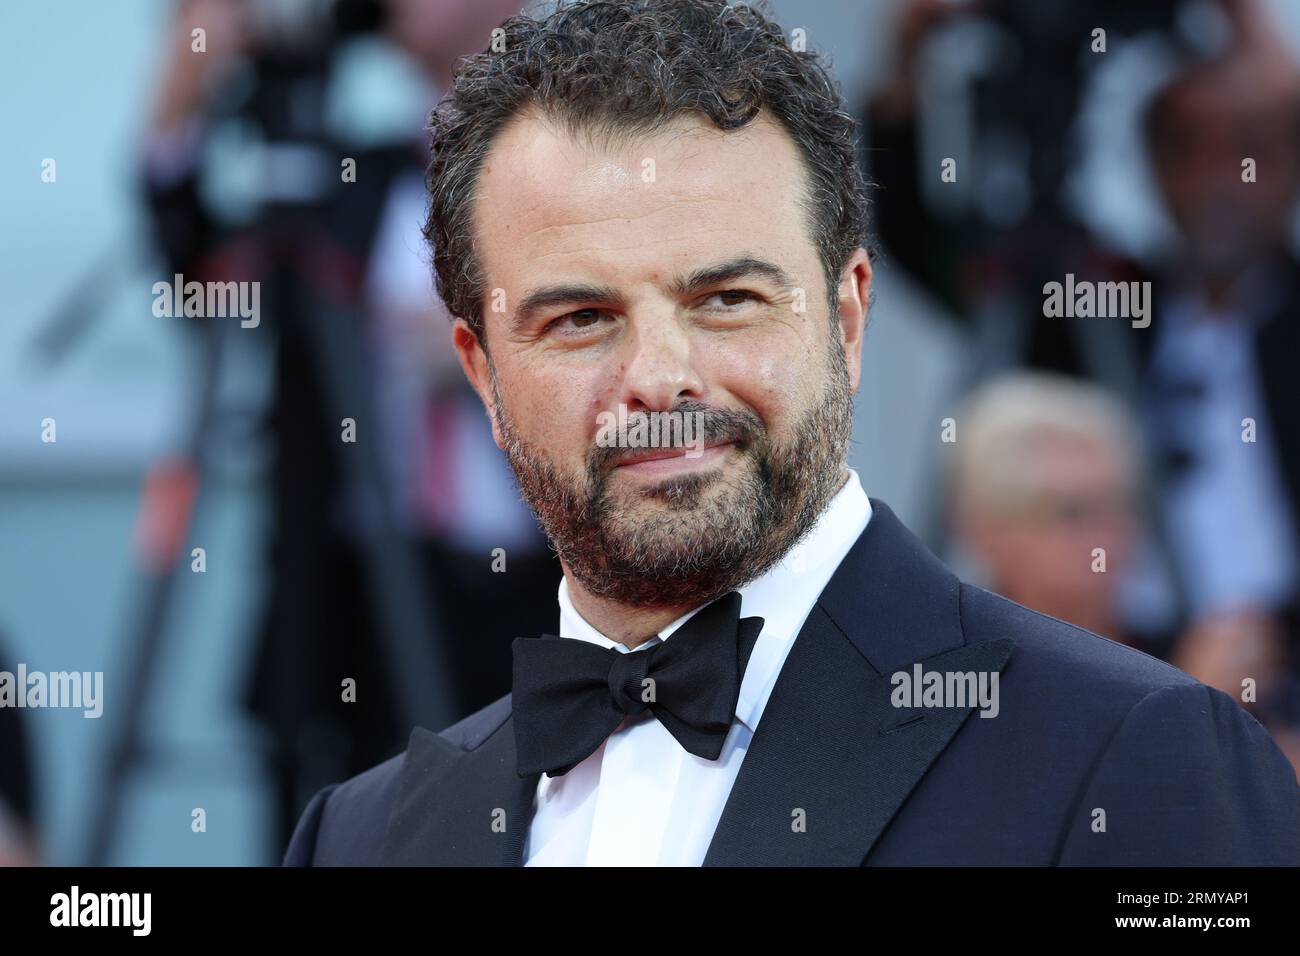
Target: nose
<point>661,371</point>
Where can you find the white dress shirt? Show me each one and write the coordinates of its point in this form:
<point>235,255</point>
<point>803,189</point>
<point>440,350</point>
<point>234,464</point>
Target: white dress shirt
<point>641,799</point>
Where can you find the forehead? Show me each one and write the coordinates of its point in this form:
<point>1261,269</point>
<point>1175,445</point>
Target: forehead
<point>639,208</point>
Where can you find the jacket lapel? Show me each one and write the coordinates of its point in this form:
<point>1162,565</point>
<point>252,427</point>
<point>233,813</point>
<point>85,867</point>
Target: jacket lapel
<point>460,807</point>
<point>832,759</point>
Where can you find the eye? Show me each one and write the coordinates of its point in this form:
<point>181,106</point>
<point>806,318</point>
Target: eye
<point>730,299</point>
<point>576,322</point>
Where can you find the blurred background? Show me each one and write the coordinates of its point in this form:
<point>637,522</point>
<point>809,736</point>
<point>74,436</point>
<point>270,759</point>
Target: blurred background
<point>177,510</point>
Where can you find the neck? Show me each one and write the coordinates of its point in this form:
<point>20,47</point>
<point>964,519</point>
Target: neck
<point>629,626</point>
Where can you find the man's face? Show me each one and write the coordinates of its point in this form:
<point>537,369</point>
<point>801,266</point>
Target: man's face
<point>672,272</point>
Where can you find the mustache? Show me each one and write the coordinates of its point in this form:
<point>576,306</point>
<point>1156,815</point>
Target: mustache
<point>711,426</point>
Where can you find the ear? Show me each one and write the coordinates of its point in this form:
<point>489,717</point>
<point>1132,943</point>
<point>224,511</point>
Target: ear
<point>475,363</point>
<point>854,296</point>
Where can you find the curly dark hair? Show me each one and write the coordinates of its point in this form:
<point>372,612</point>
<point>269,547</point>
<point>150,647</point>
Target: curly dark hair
<point>614,67</point>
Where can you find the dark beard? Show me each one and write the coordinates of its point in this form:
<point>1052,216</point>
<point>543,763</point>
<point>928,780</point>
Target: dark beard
<point>695,550</point>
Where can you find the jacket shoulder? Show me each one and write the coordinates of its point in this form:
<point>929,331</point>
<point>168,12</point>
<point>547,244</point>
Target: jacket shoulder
<point>344,823</point>
<point>1184,774</point>
<point>1053,651</point>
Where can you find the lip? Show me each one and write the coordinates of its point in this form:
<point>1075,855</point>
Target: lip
<point>663,460</point>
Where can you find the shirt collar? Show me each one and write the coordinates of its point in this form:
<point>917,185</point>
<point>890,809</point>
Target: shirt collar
<point>782,596</point>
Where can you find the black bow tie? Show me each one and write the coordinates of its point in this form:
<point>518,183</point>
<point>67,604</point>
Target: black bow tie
<point>569,695</point>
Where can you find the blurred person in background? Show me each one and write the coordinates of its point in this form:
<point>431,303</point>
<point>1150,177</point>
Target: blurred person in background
<point>288,88</point>
<point>1045,471</point>
<point>1227,336</point>
<point>1218,391</point>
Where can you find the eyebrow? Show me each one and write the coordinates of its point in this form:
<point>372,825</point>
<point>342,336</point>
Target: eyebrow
<point>738,268</point>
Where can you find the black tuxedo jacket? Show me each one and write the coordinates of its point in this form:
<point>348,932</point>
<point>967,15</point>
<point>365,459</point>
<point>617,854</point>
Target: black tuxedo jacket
<point>1099,754</point>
